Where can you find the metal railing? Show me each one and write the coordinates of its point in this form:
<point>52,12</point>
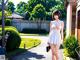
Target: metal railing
<point>78,51</point>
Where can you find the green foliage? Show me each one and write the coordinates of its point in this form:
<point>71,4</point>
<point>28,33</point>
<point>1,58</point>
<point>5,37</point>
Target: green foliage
<point>39,11</point>
<point>10,7</point>
<point>70,44</point>
<point>27,15</point>
<point>7,22</point>
<point>29,42</point>
<point>0,14</point>
<point>34,31</point>
<point>13,40</point>
<point>61,8</point>
<point>7,13</point>
<point>48,15</point>
<point>21,7</point>
<point>46,3</point>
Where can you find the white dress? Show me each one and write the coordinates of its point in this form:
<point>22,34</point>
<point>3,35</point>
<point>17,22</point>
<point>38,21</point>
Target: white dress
<point>54,34</point>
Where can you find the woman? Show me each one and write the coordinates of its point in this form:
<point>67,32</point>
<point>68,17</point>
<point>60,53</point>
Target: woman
<point>55,34</point>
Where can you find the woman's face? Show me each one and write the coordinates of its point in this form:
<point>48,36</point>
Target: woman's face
<point>56,17</point>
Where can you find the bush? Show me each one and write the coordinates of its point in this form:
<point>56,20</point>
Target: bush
<point>13,40</point>
<point>70,44</point>
<point>41,31</point>
<point>7,22</point>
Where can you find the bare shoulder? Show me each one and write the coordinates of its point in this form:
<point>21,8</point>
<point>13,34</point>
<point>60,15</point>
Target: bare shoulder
<point>52,21</point>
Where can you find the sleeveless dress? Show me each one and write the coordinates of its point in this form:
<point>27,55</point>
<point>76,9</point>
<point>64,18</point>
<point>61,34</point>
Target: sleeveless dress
<point>54,34</point>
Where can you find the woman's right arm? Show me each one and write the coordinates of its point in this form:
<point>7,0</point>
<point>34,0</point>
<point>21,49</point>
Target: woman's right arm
<point>50,26</point>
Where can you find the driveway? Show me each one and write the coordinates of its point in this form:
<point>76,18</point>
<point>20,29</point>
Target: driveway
<point>39,52</point>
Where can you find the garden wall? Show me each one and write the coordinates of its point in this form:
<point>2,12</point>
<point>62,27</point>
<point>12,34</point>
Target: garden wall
<point>21,24</point>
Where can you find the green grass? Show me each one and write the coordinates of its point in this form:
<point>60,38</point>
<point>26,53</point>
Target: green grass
<point>27,34</point>
<point>24,34</point>
<point>29,42</point>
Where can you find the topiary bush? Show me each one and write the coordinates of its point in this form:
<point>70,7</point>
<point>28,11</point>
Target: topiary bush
<point>14,40</point>
<point>69,46</point>
<point>7,22</point>
<point>40,31</point>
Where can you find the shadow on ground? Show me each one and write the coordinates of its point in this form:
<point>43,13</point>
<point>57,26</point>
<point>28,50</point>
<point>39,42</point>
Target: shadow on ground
<point>27,56</point>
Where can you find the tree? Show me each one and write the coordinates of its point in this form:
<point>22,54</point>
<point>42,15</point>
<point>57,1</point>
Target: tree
<point>49,16</point>
<point>21,7</point>
<point>46,3</point>
<point>39,12</point>
<point>27,15</point>
<point>10,7</point>
<point>61,8</point>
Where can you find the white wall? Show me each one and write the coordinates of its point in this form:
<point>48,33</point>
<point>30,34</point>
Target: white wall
<point>21,24</point>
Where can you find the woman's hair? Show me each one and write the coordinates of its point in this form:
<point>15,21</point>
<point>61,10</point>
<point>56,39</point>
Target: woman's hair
<point>56,13</point>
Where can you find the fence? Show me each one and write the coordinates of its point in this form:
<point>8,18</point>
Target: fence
<point>25,24</point>
<point>22,24</point>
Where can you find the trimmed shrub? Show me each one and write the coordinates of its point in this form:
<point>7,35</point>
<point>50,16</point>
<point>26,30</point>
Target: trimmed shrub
<point>40,31</point>
<point>14,40</point>
<point>70,44</point>
<point>7,22</point>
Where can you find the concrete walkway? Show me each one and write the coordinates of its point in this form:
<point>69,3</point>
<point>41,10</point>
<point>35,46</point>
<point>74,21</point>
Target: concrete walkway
<point>39,52</point>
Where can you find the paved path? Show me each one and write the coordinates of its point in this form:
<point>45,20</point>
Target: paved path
<point>39,52</point>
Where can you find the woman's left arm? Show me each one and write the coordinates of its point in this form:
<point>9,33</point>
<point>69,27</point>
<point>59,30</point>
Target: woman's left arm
<point>62,33</point>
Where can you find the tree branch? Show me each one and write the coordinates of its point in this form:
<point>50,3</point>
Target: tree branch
<point>6,2</point>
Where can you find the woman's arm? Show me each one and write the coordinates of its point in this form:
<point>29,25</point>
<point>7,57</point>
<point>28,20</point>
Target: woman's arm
<point>62,30</point>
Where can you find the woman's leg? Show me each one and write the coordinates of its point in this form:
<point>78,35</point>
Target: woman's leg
<point>57,52</point>
<point>53,51</point>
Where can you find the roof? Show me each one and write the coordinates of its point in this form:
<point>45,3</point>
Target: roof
<point>15,16</point>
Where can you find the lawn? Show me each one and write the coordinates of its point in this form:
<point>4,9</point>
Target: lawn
<point>24,34</point>
<point>29,43</point>
<point>27,34</point>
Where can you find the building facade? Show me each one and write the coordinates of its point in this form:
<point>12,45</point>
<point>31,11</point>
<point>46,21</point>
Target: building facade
<point>78,20</point>
<point>73,18</point>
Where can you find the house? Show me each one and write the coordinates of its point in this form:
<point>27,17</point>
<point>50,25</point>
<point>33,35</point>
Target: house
<point>78,20</point>
<point>73,16</point>
<point>15,16</point>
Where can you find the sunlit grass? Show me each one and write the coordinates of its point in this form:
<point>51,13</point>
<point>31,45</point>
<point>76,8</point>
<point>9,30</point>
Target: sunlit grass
<point>29,43</point>
<point>28,34</point>
<point>24,34</point>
